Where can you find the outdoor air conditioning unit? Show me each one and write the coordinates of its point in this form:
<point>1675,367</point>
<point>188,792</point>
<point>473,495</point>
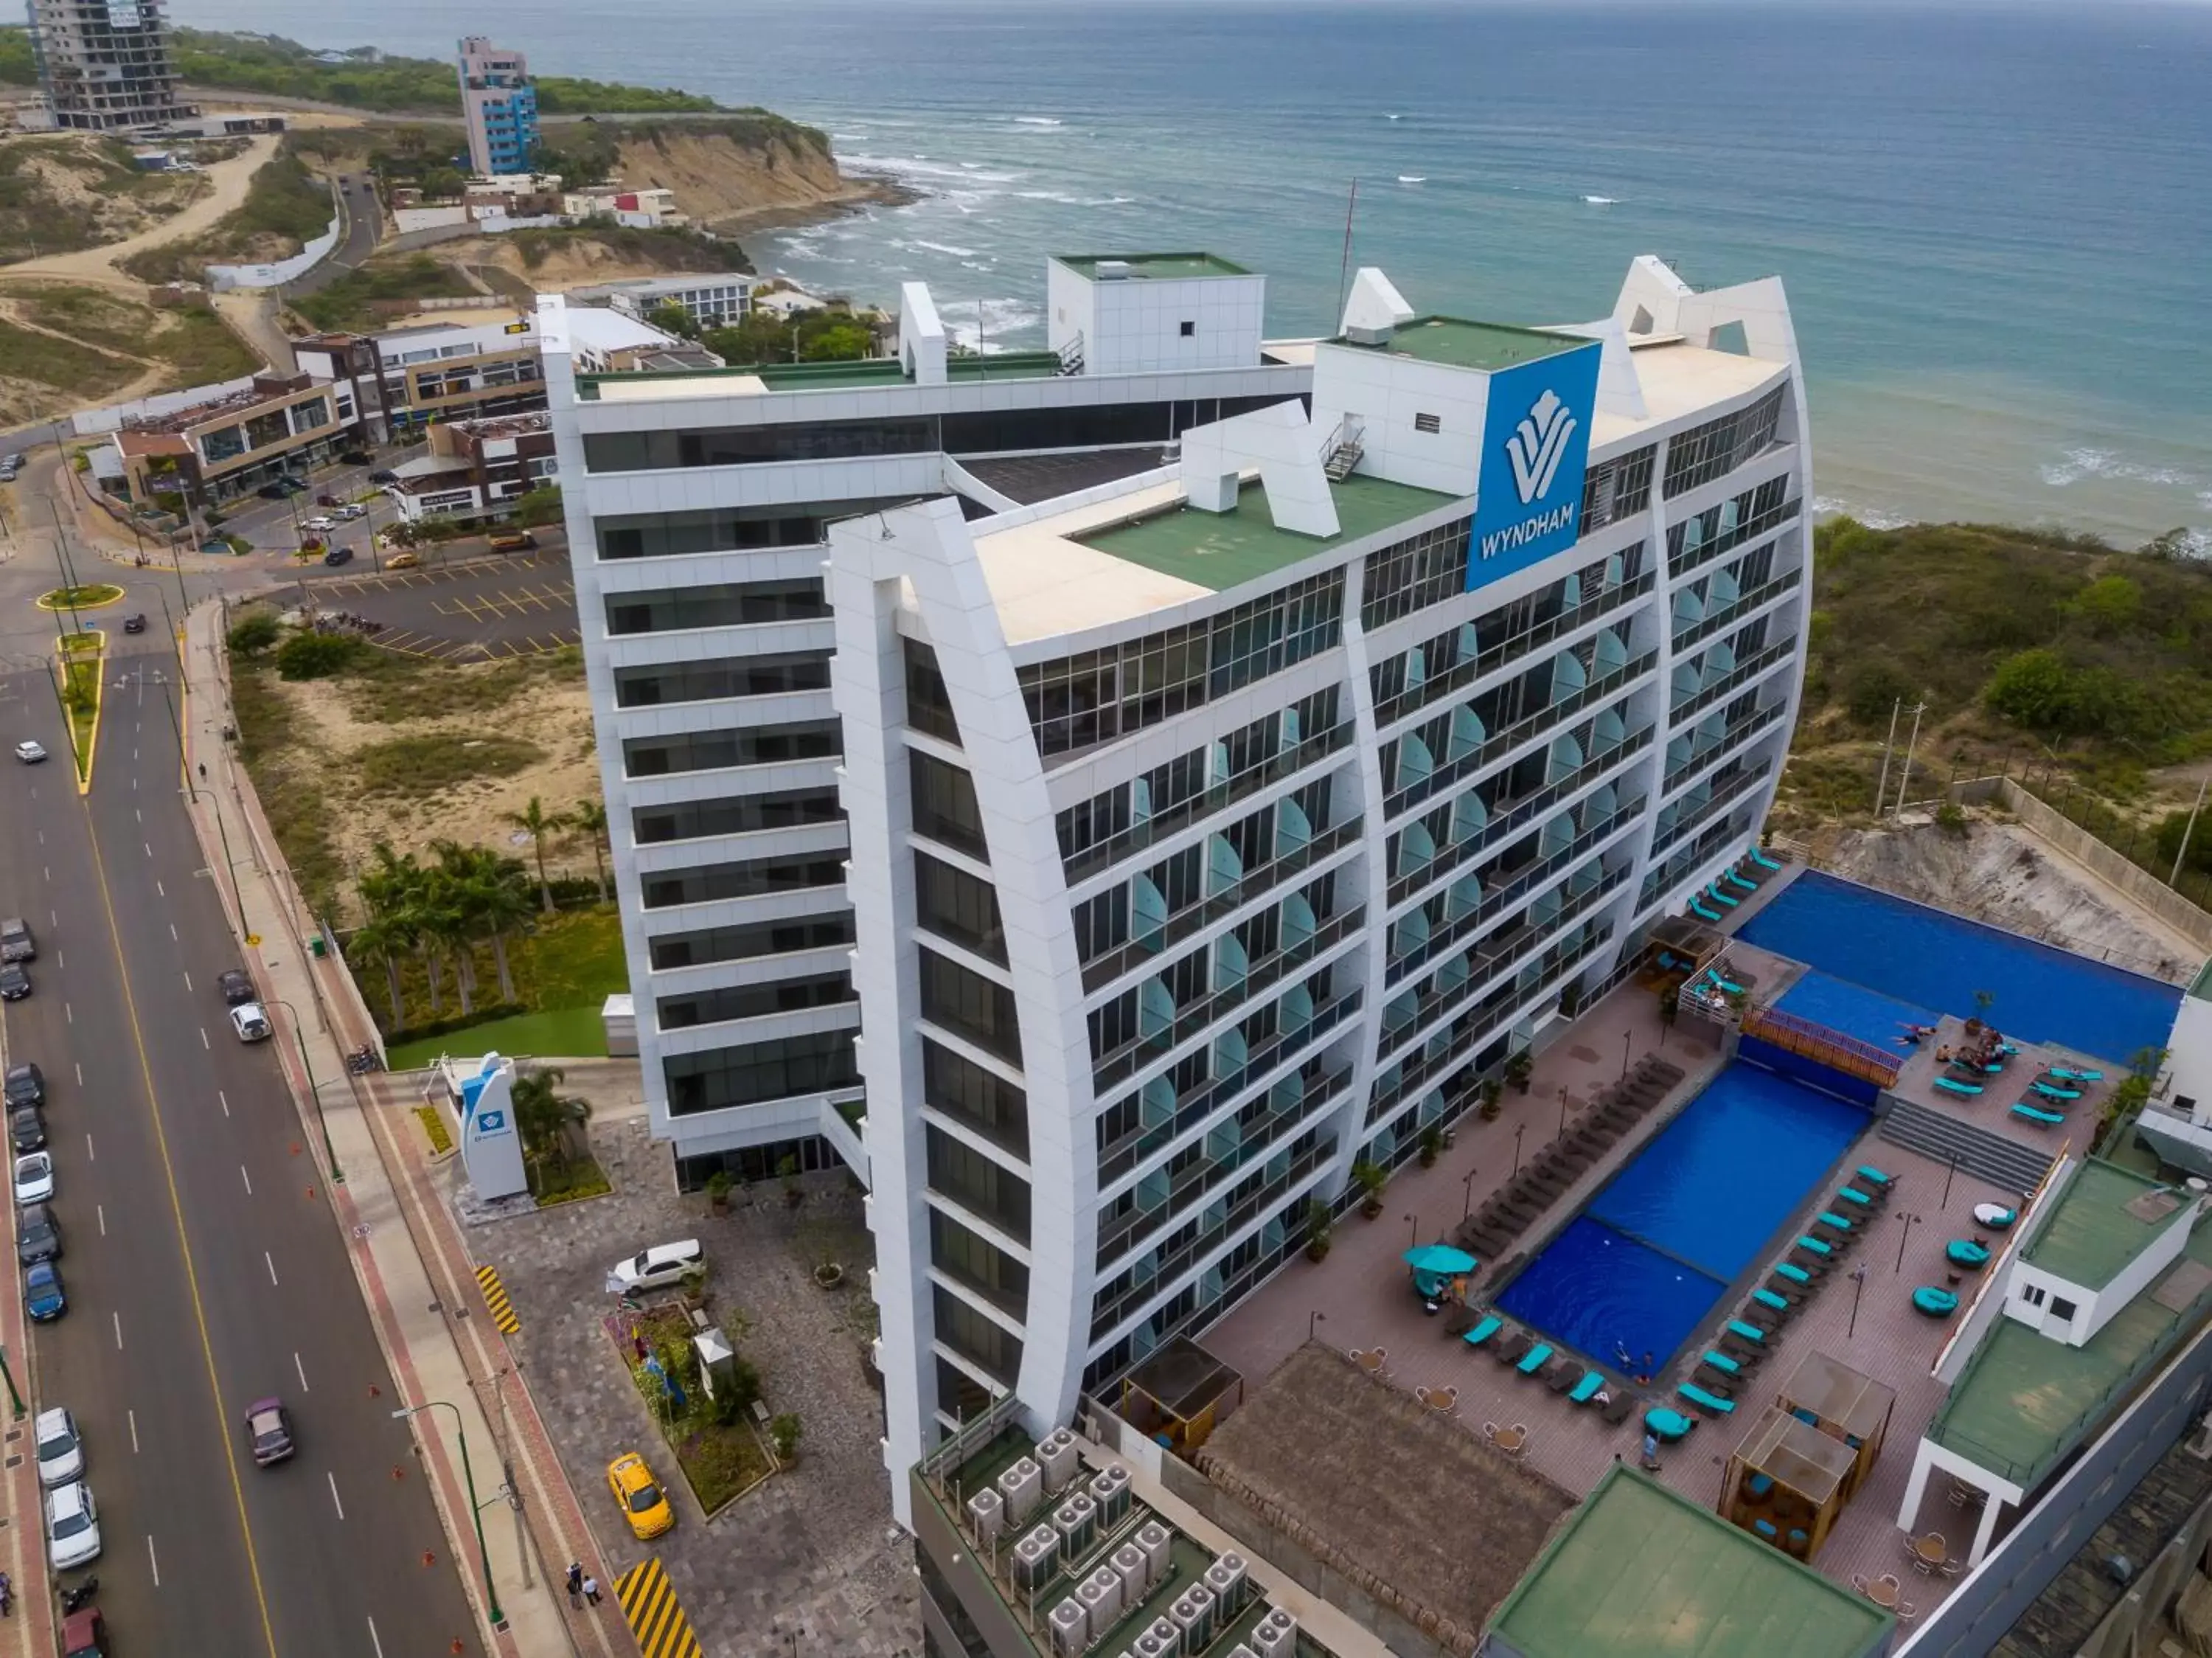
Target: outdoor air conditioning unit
<point>1077,1521</point>
<point>1109,1490</point>
<point>1227,1577</point>
<point>1276,1636</point>
<point>1162,1640</point>
<point>1152,1538</point>
<point>1196,1611</point>
<point>1135,1572</point>
<point>1240,1650</point>
<point>1022,1486</point>
<point>1112,269</point>
<point>1057,1451</point>
<point>987,1516</point>
<point>1071,1629</point>
<point>1101,1594</point>
<point>1036,1556</point>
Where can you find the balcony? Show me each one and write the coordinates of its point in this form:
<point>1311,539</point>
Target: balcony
<point>1682,712</point>
<point>1724,795</point>
<point>1517,815</point>
<point>1499,744</point>
<point>1689,560</point>
<point>1192,918</point>
<point>1134,1055</point>
<point>1688,639</point>
<point>1509,651</point>
<point>1139,835</point>
<point>1758,719</point>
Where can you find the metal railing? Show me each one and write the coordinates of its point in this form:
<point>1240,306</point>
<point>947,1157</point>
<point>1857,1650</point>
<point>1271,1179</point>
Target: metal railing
<point>1727,541</point>
<point>1688,708</point>
<point>1734,733</point>
<point>1693,634</point>
<point>1733,790</point>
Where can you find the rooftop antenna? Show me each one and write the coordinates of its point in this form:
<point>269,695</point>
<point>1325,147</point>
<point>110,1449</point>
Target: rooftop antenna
<point>1344,267</point>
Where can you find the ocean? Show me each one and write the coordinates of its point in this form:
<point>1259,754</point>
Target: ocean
<point>1992,220</point>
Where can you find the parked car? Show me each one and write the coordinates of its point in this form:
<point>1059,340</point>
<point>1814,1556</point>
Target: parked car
<point>30,753</point>
<point>35,1177</point>
<point>42,1293</point>
<point>249,1022</point>
<point>60,1446</point>
<point>135,622</point>
<point>14,982</point>
<point>353,457</point>
<point>638,1494</point>
<point>326,500</point>
<point>384,475</point>
<point>38,1234</point>
<point>291,485</point>
<point>216,547</point>
<point>651,1269</point>
<point>269,1430</point>
<point>72,1527</point>
<point>27,1129</point>
<point>84,1634</point>
<point>24,1085</point>
<point>236,985</point>
<point>514,541</point>
<point>337,556</point>
<point>271,492</point>
<point>319,522</point>
<point>401,561</point>
<point>350,511</point>
<point>17,941</point>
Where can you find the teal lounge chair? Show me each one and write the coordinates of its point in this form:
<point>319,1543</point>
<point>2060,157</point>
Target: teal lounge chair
<point>2066,1075</point>
<point>1830,1218</point>
<point>1761,859</point>
<point>1750,1332</point>
<point>1868,1172</point>
<point>1795,1273</point>
<point>1717,896</point>
<point>1483,1332</point>
<point>1720,984</point>
<point>1995,1215</point>
<point>2050,1093</point>
<point>1670,1425</point>
<point>1964,1251</point>
<point>1853,1196</point>
<point>1747,884</point>
<point>1768,1298</point>
<point>1936,1303</point>
<point>1703,913</point>
<point>1765,1528</point>
<point>1705,1401</point>
<point>1758,1486</point>
<point>2028,1114</point>
<point>1814,1246</point>
<point>1951,1085</point>
<point>1723,1363</point>
<point>1587,1388</point>
<point>1538,1356</point>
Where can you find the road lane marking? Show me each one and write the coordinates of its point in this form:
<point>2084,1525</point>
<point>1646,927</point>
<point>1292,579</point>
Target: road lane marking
<point>648,1602</point>
<point>152,1560</point>
<point>248,1179</point>
<point>161,890</point>
<point>335,1503</point>
<point>69,1013</point>
<point>301,1370</point>
<point>223,1100</point>
<point>373,1641</point>
<point>133,1415</point>
<point>117,1317</point>
<point>61,962</point>
<point>269,1261</point>
<point>172,933</point>
<point>188,981</point>
<point>88,1157</point>
<point>138,814</point>
<point>204,1041</point>
<point>147,844</point>
<point>100,1209</point>
<point>79,1072</point>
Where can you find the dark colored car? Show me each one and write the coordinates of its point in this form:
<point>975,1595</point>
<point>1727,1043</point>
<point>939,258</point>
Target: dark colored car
<point>43,1297</point>
<point>38,1234</point>
<point>14,983</point>
<point>326,500</point>
<point>337,556</point>
<point>269,1427</point>
<point>26,1085</point>
<point>272,492</point>
<point>353,457</point>
<point>136,623</point>
<point>384,475</point>
<point>27,1129</point>
<point>84,1634</point>
<point>292,485</point>
<point>236,985</point>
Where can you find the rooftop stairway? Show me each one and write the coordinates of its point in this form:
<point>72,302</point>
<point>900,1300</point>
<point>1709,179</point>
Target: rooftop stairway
<point>2005,1164</point>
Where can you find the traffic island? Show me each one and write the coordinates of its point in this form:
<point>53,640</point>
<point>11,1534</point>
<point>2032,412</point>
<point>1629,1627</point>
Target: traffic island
<point>77,683</point>
<point>92,595</point>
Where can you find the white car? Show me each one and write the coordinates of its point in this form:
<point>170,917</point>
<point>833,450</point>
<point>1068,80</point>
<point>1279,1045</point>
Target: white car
<point>249,1022</point>
<point>72,1527</point>
<point>61,1448</point>
<point>35,1177</point>
<point>320,521</point>
<point>650,1269</point>
<point>30,753</point>
<point>348,513</point>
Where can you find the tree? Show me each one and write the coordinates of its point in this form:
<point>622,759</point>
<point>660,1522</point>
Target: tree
<point>488,891</point>
<point>590,818</point>
<point>537,823</point>
<point>546,1118</point>
<point>316,656</point>
<point>254,632</point>
<point>673,317</point>
<point>2033,689</point>
<point>539,507</point>
<point>848,342</point>
<point>385,938</point>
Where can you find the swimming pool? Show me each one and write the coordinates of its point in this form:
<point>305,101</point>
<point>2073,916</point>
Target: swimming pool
<point>1643,1264</point>
<point>1853,1008</point>
<point>1934,959</point>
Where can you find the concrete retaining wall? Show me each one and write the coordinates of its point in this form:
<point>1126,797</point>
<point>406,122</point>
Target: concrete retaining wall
<point>223,278</point>
<point>2140,886</point>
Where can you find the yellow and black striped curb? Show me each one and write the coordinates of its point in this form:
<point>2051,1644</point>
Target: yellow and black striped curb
<point>648,1600</point>
<point>495,1295</point>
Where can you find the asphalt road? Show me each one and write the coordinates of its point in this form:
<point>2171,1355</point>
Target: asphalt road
<point>364,225</point>
<point>201,1272</point>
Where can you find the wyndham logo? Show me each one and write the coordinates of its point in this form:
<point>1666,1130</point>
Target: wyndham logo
<point>491,1121</point>
<point>1535,450</point>
<point>1538,445</point>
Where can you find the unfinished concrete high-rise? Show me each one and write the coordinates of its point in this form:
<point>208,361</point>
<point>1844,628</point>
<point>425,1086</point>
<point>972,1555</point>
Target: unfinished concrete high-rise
<point>105,64</point>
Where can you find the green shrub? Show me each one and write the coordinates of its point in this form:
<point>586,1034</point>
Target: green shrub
<point>786,1430</point>
<point>316,656</point>
<point>253,633</point>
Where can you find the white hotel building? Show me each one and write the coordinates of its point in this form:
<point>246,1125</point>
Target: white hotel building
<point>1198,763</point>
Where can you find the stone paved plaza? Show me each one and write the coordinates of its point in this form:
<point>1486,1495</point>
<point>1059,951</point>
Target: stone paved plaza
<point>807,1565</point>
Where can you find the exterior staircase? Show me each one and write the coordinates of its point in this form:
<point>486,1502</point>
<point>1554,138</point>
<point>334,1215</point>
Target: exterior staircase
<point>1341,459</point>
<point>2005,1164</point>
<point>1071,358</point>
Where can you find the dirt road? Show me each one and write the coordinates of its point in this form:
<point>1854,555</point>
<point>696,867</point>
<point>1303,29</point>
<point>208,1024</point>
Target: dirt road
<point>231,179</point>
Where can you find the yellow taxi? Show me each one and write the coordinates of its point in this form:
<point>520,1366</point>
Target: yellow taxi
<point>402,561</point>
<point>644,1504</point>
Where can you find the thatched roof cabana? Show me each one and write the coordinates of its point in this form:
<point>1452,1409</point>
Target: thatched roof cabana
<point>1411,1507</point>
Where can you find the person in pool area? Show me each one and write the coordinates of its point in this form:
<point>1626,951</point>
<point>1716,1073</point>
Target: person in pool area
<point>1643,1376</point>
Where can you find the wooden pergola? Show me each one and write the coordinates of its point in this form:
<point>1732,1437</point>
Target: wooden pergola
<point>1827,1393</point>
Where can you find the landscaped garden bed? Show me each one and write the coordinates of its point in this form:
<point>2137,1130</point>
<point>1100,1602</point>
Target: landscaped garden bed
<point>713,1440</point>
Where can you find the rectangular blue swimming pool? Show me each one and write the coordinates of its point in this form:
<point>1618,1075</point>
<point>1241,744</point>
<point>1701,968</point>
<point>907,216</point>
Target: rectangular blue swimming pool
<point>1642,1266</point>
<point>1931,959</point>
<point>1853,1008</point>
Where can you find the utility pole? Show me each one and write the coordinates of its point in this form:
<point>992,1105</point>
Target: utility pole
<point>1881,789</point>
<point>1904,782</point>
<point>2188,829</point>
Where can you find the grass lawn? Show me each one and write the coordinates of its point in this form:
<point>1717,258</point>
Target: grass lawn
<point>571,961</point>
<point>417,767</point>
<point>565,1034</point>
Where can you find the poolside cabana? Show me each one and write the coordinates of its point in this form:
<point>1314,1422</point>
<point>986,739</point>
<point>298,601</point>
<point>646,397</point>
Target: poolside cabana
<point>1178,1396</point>
<point>1827,1393</point>
<point>1785,1484</point>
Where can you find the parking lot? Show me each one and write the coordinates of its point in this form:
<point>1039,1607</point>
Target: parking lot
<point>478,611</point>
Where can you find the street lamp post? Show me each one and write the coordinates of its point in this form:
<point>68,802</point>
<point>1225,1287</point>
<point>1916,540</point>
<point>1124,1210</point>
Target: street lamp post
<point>300,1036</point>
<point>1903,1237</point>
<point>1563,1109</point>
<point>1314,1318</point>
<point>1467,1180</point>
<point>14,1398</point>
<point>1413,1231</point>
<point>1519,1129</point>
<point>1627,1037</point>
<point>476,1513</point>
<point>1858,1284</point>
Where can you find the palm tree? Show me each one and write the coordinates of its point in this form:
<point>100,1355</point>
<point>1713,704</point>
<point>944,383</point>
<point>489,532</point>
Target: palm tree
<point>537,823</point>
<point>385,936</point>
<point>546,1118</point>
<point>590,818</point>
<point>499,902</point>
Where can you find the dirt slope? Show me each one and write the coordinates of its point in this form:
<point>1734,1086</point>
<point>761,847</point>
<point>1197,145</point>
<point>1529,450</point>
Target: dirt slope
<point>724,184</point>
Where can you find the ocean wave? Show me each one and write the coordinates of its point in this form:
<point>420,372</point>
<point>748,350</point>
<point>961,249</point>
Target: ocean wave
<point>1603,201</point>
<point>2078,464</point>
<point>989,325</point>
<point>944,247</point>
<point>848,137</point>
<point>1413,178</point>
<point>1828,506</point>
<point>1045,122</point>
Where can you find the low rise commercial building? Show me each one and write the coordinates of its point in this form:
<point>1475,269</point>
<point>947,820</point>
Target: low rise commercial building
<point>214,452</point>
<point>712,299</point>
<point>474,468</point>
<point>651,208</point>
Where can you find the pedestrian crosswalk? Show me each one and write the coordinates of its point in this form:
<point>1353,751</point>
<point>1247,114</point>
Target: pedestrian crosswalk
<point>648,1600</point>
<point>495,1295</point>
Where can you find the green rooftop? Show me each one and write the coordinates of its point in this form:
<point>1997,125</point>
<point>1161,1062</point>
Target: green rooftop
<point>1459,343</point>
<point>2091,1232</point>
<point>2025,1400</point>
<point>837,377</point>
<point>1157,266</point>
<point>1640,1572</point>
<point>1223,549</point>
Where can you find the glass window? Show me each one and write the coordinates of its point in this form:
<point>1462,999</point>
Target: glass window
<point>721,605</point>
<point>754,1001</point>
<point>774,675</point>
<point>954,904</point>
<point>752,745</point>
<point>1719,447</point>
<point>723,529</point>
<point>1618,487</point>
<point>741,446</point>
<point>743,814</point>
<point>779,1070</point>
<point>979,1099</point>
<point>978,1263</point>
<point>928,704</point>
<point>968,1004</point>
<point>661,889</point>
<point>1422,570</point>
<point>710,944</point>
<point>976,1338</point>
<point>984,1188</point>
<point>944,806</point>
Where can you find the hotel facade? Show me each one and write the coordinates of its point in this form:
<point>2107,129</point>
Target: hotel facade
<point>1198,764</point>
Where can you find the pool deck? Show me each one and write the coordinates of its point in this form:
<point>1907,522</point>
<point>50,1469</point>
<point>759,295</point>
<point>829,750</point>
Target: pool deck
<point>1359,1297</point>
<point>1990,1111</point>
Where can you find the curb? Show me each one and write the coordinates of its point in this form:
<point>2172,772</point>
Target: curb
<point>62,656</point>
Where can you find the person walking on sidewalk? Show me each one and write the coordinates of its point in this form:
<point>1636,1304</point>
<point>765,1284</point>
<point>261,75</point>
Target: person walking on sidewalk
<point>592,1590</point>
<point>575,1586</point>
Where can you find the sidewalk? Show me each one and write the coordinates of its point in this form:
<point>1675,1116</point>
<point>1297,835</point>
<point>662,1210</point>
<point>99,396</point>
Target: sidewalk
<point>407,1251</point>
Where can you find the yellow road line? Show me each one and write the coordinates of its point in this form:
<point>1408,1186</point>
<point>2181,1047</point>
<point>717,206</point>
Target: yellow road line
<point>184,1237</point>
<point>495,1295</point>
<point>656,1618</point>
